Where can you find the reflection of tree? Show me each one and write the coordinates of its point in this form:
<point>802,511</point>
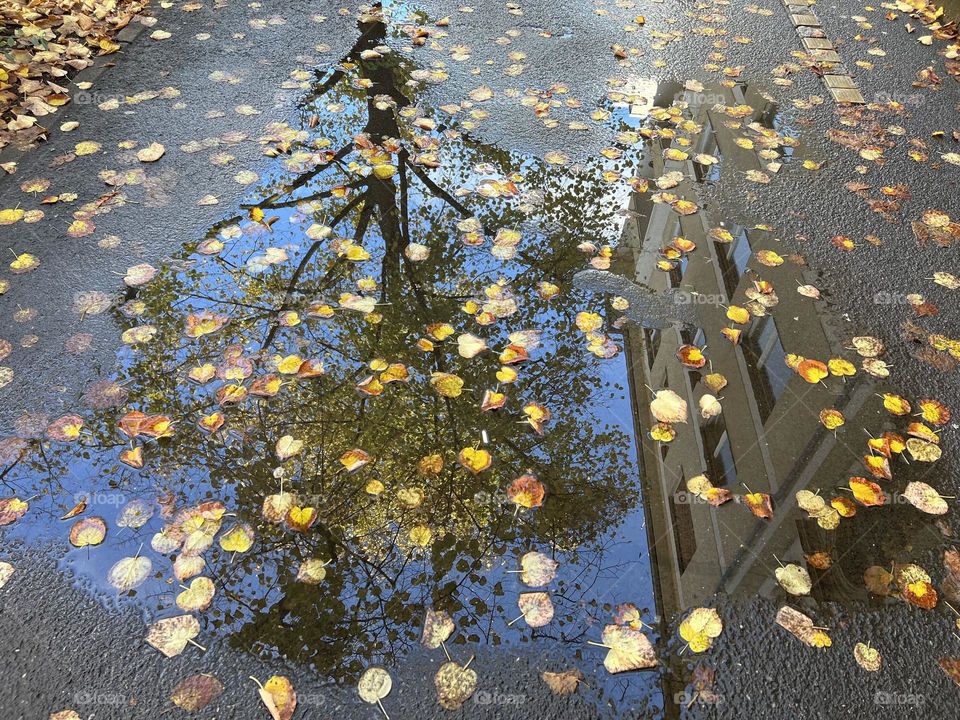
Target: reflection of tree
<point>372,599</point>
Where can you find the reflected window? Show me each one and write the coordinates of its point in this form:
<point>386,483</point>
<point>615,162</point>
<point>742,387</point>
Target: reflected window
<point>721,467</point>
<point>651,337</point>
<point>681,518</point>
<point>676,273</point>
<point>733,258</point>
<point>766,364</point>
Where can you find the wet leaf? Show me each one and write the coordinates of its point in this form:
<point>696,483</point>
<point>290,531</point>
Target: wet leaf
<point>925,498</point>
<point>476,460</point>
<point>526,491</point>
<point>437,627</point>
<point>6,572</point>
<point>129,572</point>
<point>668,407</point>
<point>88,531</point>
<point>802,627</point>
<point>700,628</point>
<point>537,608</point>
<point>794,579</point>
<point>627,649</point>
<point>196,692</point>
<point>12,509</point>
<point>867,657</point>
<point>171,635</point>
<point>151,153</point>
<point>374,685</point>
<point>279,697</point>
<point>198,596</point>
<point>455,685</point>
<point>538,570</point>
<point>563,683</point>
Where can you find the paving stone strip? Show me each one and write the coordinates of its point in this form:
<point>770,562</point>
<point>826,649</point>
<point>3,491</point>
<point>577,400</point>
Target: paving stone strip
<point>814,40</point>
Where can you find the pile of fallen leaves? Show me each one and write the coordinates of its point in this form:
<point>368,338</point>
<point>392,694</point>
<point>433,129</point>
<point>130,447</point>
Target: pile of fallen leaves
<point>42,42</point>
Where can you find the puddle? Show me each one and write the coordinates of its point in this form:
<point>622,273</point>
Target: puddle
<point>374,304</point>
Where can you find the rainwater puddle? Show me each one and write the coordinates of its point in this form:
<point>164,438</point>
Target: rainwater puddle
<point>383,370</point>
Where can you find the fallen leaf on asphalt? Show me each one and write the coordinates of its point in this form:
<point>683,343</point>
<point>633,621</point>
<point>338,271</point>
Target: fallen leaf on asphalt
<point>196,692</point>
<point>151,153</point>
<point>6,571</point>
<point>454,685</point>
<point>867,657</point>
<point>171,635</point>
<point>700,628</point>
<point>279,697</point>
<point>802,627</point>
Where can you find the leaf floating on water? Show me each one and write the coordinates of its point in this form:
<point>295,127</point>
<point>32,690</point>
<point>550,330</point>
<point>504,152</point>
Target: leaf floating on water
<point>279,697</point>
<point>454,684</point>
<point>537,608</point>
<point>374,685</point>
<point>563,683</point>
<point>88,531</point>
<point>12,509</point>
<point>75,510</point>
<point>135,514</point>
<point>312,571</point>
<point>239,538</point>
<point>794,579</point>
<point>668,407</point>
<point>475,460</point>
<point>526,492</point>
<point>627,649</point>
<point>925,498</point>
<point>437,627</point>
<point>171,635</point>
<point>287,447</point>
<point>198,596</point>
<point>129,572</point>
<point>538,570</point>
<point>196,692</point>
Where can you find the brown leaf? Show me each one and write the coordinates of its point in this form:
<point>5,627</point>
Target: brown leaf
<point>563,683</point>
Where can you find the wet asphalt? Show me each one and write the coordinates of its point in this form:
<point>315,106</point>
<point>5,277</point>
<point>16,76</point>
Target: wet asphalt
<point>62,648</point>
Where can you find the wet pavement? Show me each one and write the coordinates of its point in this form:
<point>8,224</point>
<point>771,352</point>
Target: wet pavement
<point>665,329</point>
